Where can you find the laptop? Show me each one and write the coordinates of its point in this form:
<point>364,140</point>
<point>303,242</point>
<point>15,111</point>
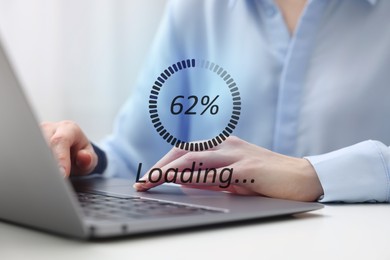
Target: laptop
<point>33,192</point>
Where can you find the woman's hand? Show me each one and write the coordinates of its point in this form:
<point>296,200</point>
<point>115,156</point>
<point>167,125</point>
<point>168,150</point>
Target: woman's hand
<point>71,147</point>
<point>252,170</point>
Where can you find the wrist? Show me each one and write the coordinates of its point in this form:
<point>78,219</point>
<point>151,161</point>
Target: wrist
<point>309,183</point>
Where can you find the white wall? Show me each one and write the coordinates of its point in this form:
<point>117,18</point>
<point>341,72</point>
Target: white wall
<point>79,60</point>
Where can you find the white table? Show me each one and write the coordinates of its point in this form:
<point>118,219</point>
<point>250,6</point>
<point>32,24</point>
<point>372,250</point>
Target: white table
<point>335,232</point>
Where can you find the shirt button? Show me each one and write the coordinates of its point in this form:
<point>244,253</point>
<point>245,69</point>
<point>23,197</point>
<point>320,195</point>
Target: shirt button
<point>270,11</point>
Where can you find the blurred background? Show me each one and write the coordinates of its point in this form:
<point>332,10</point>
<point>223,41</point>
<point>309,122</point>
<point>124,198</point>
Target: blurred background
<point>79,60</point>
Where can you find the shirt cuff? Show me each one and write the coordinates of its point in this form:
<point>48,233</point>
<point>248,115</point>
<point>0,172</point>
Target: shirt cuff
<point>102,160</point>
<point>358,173</point>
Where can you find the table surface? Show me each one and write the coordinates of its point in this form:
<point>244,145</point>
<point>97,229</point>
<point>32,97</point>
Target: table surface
<point>334,232</point>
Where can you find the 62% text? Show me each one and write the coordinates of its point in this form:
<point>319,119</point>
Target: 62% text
<point>177,106</point>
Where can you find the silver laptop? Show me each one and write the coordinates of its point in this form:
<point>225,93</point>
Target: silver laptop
<point>33,192</point>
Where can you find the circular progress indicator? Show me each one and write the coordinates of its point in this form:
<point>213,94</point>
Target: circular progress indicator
<point>207,103</point>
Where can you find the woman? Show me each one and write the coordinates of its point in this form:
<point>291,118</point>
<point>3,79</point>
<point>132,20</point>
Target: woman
<point>313,82</point>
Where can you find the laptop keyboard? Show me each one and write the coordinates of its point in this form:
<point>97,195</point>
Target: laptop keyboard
<point>99,206</point>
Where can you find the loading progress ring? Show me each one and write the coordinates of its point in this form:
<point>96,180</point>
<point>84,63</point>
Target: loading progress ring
<point>197,145</point>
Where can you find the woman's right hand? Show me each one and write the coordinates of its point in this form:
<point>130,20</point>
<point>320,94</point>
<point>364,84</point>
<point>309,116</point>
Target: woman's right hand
<point>70,146</point>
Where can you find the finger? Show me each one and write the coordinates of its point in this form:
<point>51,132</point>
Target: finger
<point>48,129</point>
<point>66,141</point>
<point>153,174</point>
<point>176,153</point>
<point>205,159</point>
<point>61,149</point>
<point>156,176</point>
<point>153,178</point>
<point>85,161</point>
<point>220,177</point>
<point>172,155</point>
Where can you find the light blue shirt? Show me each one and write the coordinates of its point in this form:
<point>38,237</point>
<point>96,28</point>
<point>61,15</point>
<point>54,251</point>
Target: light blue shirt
<point>322,93</point>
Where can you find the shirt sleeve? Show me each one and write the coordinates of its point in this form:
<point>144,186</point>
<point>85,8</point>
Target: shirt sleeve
<point>102,160</point>
<point>358,173</point>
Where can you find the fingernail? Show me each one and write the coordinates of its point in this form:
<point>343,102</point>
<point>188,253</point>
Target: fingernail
<point>138,186</point>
